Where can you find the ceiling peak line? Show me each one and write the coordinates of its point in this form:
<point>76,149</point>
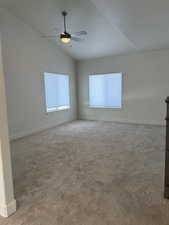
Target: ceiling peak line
<point>112,24</point>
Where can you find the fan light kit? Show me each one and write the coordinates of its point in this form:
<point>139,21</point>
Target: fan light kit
<point>66,37</point>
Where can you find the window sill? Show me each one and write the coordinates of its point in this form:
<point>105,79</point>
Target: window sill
<point>100,107</point>
<point>56,109</point>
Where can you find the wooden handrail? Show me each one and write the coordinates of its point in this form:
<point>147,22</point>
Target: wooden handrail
<point>166,187</point>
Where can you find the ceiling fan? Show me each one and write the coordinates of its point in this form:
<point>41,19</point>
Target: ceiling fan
<point>65,37</point>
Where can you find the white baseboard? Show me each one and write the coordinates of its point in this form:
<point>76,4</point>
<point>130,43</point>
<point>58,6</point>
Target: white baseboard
<point>9,209</point>
<point>36,130</point>
<point>153,123</point>
<point>26,133</point>
<point>33,131</point>
<point>127,121</point>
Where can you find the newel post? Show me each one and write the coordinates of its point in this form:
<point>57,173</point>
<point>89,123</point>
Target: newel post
<point>166,188</point>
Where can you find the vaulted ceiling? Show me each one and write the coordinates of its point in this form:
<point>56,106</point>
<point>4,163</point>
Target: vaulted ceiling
<point>113,26</point>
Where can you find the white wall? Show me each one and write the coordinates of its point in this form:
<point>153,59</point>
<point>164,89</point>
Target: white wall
<point>146,85</point>
<point>25,57</point>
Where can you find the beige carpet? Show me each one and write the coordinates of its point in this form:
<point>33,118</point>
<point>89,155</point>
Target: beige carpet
<point>90,173</point>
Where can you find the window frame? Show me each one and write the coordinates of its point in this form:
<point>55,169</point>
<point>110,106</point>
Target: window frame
<point>56,109</point>
<point>122,92</point>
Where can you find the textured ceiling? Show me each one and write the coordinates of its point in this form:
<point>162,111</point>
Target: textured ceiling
<point>113,26</point>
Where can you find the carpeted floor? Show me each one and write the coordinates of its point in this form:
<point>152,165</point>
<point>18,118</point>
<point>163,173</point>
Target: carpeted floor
<point>90,173</point>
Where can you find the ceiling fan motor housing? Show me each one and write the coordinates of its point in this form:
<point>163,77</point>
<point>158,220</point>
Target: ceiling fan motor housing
<point>65,35</point>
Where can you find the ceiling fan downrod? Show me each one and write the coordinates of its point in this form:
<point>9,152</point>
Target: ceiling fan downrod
<point>64,14</point>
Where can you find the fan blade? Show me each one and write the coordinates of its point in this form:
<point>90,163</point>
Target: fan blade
<point>76,39</point>
<point>79,33</point>
<point>50,36</point>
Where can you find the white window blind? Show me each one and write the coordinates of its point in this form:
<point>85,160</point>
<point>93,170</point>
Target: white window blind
<point>56,91</point>
<point>105,90</point>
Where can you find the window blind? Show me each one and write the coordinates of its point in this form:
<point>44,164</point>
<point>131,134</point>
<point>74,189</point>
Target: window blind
<point>105,90</point>
<point>56,90</point>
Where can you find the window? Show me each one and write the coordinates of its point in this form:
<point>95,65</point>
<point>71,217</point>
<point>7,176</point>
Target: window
<point>57,92</point>
<point>105,90</point>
